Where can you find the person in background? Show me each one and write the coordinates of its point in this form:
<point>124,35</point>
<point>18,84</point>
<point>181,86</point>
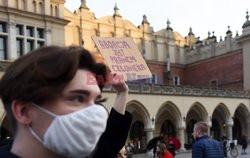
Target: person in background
<point>56,112</point>
<point>244,144</point>
<point>162,151</point>
<point>171,147</point>
<point>224,142</point>
<point>205,147</point>
<point>130,148</point>
<point>176,141</point>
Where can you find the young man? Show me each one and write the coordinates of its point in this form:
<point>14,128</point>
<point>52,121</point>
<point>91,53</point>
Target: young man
<point>205,147</point>
<point>55,113</point>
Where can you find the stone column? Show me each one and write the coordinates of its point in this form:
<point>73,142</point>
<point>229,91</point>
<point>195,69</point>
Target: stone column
<point>48,36</point>
<point>181,136</point>
<point>208,130</point>
<point>150,128</point>
<point>11,39</point>
<point>229,131</point>
<point>229,126</point>
<point>209,125</point>
<point>149,132</point>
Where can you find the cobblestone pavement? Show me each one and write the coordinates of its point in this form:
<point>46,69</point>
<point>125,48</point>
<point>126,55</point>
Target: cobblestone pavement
<point>187,154</point>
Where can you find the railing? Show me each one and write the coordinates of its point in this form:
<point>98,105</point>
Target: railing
<point>183,91</point>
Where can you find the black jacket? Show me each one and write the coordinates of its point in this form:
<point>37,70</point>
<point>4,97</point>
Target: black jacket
<point>110,143</point>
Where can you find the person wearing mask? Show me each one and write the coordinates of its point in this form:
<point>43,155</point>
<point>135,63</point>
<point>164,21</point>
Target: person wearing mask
<point>205,147</point>
<point>56,112</point>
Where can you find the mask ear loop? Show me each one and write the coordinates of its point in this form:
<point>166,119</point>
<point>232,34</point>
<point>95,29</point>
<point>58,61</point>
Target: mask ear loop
<point>44,110</point>
<point>35,135</point>
<point>31,130</point>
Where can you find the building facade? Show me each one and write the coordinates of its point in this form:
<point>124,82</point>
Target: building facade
<point>29,24</point>
<point>193,80</point>
<point>203,80</point>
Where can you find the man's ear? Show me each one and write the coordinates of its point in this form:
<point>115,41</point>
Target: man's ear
<point>22,112</point>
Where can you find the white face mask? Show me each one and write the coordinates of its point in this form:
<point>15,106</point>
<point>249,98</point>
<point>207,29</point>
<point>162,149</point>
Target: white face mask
<point>76,134</point>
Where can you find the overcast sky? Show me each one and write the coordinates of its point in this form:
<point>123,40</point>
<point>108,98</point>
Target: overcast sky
<point>201,15</point>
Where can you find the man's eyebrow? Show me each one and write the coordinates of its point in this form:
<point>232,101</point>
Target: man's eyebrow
<point>85,92</point>
<point>80,91</point>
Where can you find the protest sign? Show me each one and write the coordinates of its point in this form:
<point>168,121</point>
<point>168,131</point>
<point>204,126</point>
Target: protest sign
<point>123,57</point>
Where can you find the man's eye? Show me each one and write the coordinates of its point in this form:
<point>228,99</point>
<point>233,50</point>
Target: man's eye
<point>78,99</point>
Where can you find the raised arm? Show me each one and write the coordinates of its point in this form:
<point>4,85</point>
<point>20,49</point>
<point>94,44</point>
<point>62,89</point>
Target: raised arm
<point>121,89</point>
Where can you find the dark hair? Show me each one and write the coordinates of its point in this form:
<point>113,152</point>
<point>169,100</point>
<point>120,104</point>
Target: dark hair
<point>42,74</point>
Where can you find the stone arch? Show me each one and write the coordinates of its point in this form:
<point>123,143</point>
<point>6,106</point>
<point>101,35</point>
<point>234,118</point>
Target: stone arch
<point>34,6</point>
<point>141,121</point>
<point>51,10</point>
<point>135,107</point>
<point>241,120</point>
<point>197,112</point>
<point>168,119</point>
<point>220,118</point>
<point>40,8</point>
<point>56,11</point>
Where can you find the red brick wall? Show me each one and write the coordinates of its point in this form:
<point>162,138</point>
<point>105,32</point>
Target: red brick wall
<point>159,68</point>
<point>156,68</point>
<point>227,70</point>
<point>178,71</point>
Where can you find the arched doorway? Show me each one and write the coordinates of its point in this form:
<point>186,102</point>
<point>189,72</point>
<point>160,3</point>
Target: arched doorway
<point>220,117</point>
<point>195,114</point>
<point>168,128</point>
<point>237,129</point>
<point>136,135</point>
<point>215,130</point>
<point>189,130</point>
<point>167,119</point>
<point>241,122</point>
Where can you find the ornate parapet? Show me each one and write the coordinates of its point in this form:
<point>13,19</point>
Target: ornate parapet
<point>183,91</point>
<point>171,90</point>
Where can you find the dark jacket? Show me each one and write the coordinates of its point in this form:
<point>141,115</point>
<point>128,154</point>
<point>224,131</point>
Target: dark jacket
<point>206,147</point>
<point>110,143</point>
<point>244,142</point>
<point>115,135</point>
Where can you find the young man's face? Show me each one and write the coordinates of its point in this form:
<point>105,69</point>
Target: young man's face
<point>76,95</point>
